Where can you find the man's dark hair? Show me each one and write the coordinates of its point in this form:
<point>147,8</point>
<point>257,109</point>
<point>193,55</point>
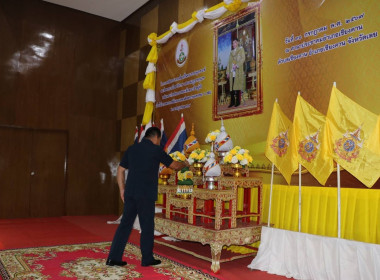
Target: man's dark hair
<point>152,132</point>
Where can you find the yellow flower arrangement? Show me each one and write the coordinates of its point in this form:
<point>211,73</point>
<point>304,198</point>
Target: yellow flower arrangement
<point>184,175</point>
<point>211,137</point>
<point>177,156</point>
<point>198,155</point>
<point>238,155</point>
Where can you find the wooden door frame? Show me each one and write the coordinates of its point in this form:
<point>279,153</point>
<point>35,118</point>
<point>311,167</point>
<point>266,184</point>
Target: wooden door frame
<point>66,173</point>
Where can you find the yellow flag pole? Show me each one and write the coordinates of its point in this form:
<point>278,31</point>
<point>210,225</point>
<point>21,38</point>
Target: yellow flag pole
<point>270,194</point>
<point>338,193</point>
<point>299,197</point>
<point>271,189</point>
<point>299,192</point>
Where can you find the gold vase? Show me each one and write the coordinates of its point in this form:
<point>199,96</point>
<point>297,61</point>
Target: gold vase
<point>237,169</point>
<point>198,168</point>
<point>164,178</point>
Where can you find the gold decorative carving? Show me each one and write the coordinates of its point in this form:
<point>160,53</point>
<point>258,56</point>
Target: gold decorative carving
<point>224,195</point>
<point>198,181</point>
<point>180,203</point>
<point>215,238</point>
<point>243,182</point>
<point>227,191</point>
<point>229,170</point>
<point>167,189</point>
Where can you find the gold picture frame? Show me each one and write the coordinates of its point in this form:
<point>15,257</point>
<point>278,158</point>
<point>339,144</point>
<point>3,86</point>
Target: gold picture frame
<point>237,74</point>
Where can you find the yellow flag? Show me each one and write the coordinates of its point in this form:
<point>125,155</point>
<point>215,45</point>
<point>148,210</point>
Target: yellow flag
<point>311,141</point>
<point>350,127</point>
<point>280,149</point>
<point>374,139</point>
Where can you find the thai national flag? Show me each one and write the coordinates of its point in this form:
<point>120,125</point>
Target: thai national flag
<point>148,125</point>
<point>164,139</point>
<point>178,138</point>
<point>136,135</point>
<point>142,133</point>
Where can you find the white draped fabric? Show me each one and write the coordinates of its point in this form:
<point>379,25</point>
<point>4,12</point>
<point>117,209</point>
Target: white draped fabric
<point>150,68</point>
<point>215,13</point>
<point>307,256</point>
<point>150,96</point>
<point>174,27</point>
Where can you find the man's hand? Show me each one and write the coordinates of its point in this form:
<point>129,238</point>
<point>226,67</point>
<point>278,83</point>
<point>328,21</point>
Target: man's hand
<point>178,165</point>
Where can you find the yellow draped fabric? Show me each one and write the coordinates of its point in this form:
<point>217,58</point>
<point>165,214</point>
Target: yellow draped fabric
<point>360,211</point>
<point>153,55</point>
<point>234,6</point>
<point>147,113</point>
<point>217,6</point>
<point>187,23</point>
<point>150,80</point>
<point>163,35</point>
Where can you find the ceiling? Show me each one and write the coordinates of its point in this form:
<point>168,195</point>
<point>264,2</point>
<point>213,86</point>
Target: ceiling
<point>111,9</point>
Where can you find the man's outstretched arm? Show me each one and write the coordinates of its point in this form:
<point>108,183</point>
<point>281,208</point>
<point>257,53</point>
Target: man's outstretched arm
<point>178,165</point>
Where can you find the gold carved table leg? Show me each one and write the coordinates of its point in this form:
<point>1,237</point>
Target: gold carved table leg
<point>190,213</point>
<point>216,250</point>
<point>233,207</point>
<point>218,214</point>
<point>167,208</point>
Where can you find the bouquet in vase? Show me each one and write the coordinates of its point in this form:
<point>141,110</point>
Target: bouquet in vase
<point>238,156</point>
<point>198,156</point>
<point>211,136</point>
<point>177,156</point>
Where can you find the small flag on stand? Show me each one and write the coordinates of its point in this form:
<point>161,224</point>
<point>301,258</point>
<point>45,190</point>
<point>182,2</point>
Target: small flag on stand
<point>177,139</point>
<point>148,125</point>
<point>311,141</point>
<point>141,133</point>
<point>350,126</point>
<point>280,148</point>
<point>136,139</point>
<point>164,139</point>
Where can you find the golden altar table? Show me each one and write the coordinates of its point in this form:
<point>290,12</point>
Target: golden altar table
<point>241,235</point>
<point>202,216</point>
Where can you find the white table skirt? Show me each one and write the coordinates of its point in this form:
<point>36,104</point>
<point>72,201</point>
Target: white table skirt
<point>307,256</point>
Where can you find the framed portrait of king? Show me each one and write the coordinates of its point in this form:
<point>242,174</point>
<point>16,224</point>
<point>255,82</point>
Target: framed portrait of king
<point>237,65</point>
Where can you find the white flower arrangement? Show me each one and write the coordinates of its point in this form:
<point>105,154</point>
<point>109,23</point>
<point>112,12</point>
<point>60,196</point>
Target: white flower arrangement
<point>211,137</point>
<point>198,155</point>
<point>238,155</point>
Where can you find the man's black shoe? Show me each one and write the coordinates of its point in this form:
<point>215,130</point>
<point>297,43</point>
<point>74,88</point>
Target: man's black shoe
<point>115,263</point>
<point>152,263</point>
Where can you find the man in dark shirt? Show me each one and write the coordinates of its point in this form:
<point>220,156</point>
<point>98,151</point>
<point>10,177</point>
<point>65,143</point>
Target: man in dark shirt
<point>139,194</point>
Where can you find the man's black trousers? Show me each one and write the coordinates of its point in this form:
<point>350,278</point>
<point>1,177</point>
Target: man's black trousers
<point>145,209</point>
